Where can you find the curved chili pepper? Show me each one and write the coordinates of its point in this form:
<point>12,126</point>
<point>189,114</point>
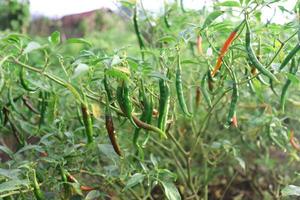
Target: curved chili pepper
<point>290,56</point>
<point>198,96</point>
<point>164,101</point>
<point>107,89</point>
<point>145,113</point>
<point>231,117</point>
<point>224,49</point>
<point>87,121</point>
<point>65,178</point>
<point>109,124</point>
<point>204,90</point>
<point>137,30</point>
<point>43,96</point>
<point>125,101</point>
<point>179,89</point>
<point>293,70</point>
<point>149,127</point>
<point>293,142</point>
<point>39,195</point>
<point>24,82</point>
<point>2,80</point>
<point>253,58</point>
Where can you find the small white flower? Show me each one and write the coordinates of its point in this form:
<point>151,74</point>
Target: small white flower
<point>209,51</point>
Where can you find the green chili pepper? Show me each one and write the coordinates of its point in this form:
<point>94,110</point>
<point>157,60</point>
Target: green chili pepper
<point>145,117</point>
<point>39,195</point>
<point>231,117</point>
<point>24,82</point>
<point>87,121</point>
<point>164,101</point>
<point>166,19</point>
<point>64,179</point>
<point>204,90</point>
<point>43,96</point>
<point>289,56</point>
<point>137,30</point>
<point>179,89</point>
<point>125,101</point>
<point>272,87</point>
<point>2,80</point>
<point>253,58</point>
<point>293,70</point>
<point>107,89</point>
<point>111,131</point>
<point>11,100</point>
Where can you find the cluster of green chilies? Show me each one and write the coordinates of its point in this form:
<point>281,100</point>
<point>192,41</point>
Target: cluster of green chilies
<point>124,99</point>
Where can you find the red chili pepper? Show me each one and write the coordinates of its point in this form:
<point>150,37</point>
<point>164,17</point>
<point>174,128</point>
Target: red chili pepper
<point>199,45</point>
<point>198,96</point>
<point>71,178</point>
<point>293,142</point>
<point>234,121</point>
<point>43,154</point>
<point>224,50</point>
<point>86,188</point>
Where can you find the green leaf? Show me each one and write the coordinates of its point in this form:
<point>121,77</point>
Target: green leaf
<point>93,195</point>
<point>290,190</point>
<point>211,17</point>
<point>293,78</point>
<point>168,38</point>
<point>171,191</point>
<point>31,47</point>
<point>13,185</point>
<point>7,151</point>
<point>241,163</point>
<point>134,180</point>
<point>30,147</point>
<point>10,173</point>
<point>54,38</point>
<point>117,73</point>
<point>78,41</point>
<point>229,4</point>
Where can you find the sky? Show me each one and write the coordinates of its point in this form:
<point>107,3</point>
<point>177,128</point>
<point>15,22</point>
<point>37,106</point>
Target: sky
<point>59,8</point>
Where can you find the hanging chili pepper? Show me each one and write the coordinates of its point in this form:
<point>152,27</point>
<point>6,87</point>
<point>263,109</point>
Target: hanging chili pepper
<point>166,16</point>
<point>39,195</point>
<point>224,49</point>
<point>64,174</point>
<point>43,97</point>
<point>24,82</point>
<point>179,89</point>
<point>204,90</point>
<point>293,142</point>
<point>125,101</point>
<point>111,131</point>
<point>87,121</point>
<point>253,58</point>
<point>164,102</point>
<point>198,96</point>
<point>231,117</point>
<point>146,105</point>
<point>290,56</point>
<point>107,89</point>
<point>2,80</point>
<point>293,70</point>
<point>137,31</point>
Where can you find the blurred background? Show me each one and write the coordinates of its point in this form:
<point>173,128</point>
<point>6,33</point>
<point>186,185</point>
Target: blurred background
<point>80,18</point>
